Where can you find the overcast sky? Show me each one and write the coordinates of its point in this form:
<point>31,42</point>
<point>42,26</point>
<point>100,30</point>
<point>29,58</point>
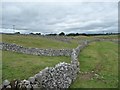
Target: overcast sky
<point>51,17</point>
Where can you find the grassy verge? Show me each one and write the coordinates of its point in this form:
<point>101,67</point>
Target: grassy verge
<point>22,66</point>
<point>102,59</point>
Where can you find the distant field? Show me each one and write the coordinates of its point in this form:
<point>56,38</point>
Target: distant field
<point>22,66</point>
<point>101,57</point>
<point>41,42</point>
<point>107,36</point>
<point>99,36</point>
<point>38,42</point>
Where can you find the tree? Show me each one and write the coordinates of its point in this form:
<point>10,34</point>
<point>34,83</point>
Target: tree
<point>51,34</point>
<point>17,32</point>
<point>62,34</point>
<point>38,33</point>
<point>32,33</point>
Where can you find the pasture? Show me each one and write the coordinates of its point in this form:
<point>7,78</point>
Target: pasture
<point>99,66</point>
<point>98,61</point>
<point>22,66</point>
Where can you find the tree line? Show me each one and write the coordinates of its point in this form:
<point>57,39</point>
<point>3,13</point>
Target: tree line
<point>71,34</point>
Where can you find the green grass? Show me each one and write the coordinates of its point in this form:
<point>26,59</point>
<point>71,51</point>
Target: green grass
<point>37,42</point>
<point>101,57</point>
<point>99,36</point>
<point>41,42</point>
<point>107,36</point>
<point>22,66</point>
<point>0,66</point>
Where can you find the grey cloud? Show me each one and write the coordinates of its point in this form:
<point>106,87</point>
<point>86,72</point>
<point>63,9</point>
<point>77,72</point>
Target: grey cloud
<point>57,17</point>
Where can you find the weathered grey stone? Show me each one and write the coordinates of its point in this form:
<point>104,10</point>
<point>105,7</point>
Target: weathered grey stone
<point>6,83</point>
<point>32,79</point>
<point>29,87</point>
<point>35,51</point>
<point>27,82</point>
<point>8,86</point>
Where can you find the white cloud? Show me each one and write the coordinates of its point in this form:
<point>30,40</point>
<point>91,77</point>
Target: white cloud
<point>57,17</point>
<point>60,0</point>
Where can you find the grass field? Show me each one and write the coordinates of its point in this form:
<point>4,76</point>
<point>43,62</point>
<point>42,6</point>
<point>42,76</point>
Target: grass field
<point>98,61</point>
<point>102,58</point>
<point>0,66</point>
<point>107,36</point>
<point>22,66</point>
<point>99,36</point>
<point>38,42</point>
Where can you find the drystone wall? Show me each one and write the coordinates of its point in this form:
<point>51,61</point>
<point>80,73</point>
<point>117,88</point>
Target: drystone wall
<point>45,52</point>
<point>60,76</point>
<point>35,51</point>
<point>59,38</point>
